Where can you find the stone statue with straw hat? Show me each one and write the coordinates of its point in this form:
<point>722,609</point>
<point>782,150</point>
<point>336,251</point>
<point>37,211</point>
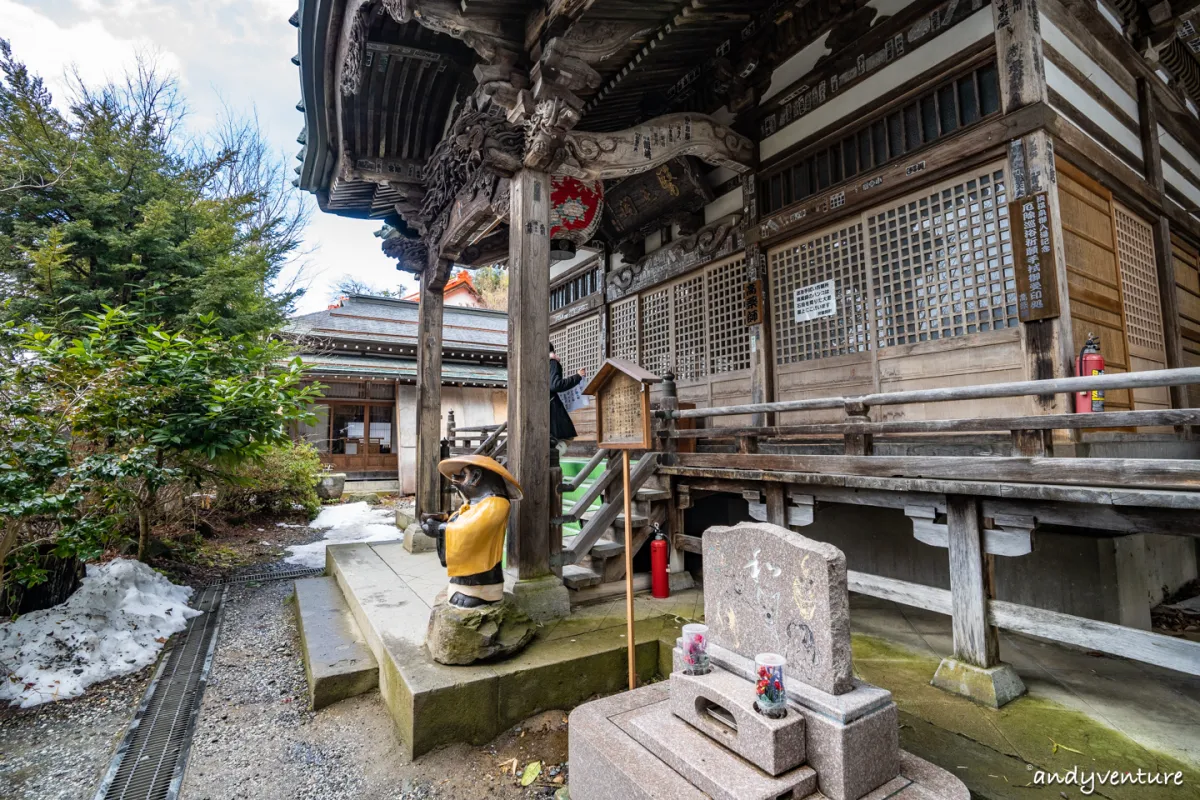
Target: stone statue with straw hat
<point>473,621</point>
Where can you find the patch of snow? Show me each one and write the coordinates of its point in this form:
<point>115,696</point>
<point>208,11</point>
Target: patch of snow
<point>288,525</point>
<point>115,623</point>
<point>352,522</point>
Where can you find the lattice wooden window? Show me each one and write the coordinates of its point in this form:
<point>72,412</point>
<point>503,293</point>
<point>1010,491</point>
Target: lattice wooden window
<point>942,263</point>
<point>579,346</point>
<point>1139,281</point>
<point>623,329</point>
<point>689,327</point>
<point>728,336</point>
<point>656,331</point>
<point>835,255</point>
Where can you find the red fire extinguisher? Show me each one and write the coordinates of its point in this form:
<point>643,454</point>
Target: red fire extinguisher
<point>659,584</point>
<point>1089,362</point>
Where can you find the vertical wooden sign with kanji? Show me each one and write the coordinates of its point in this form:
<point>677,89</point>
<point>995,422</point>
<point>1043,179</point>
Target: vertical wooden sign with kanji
<point>1034,257</point>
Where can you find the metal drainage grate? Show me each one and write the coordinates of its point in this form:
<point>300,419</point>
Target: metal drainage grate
<point>287,573</point>
<point>150,762</point>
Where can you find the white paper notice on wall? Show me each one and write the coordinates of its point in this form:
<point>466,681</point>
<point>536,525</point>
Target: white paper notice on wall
<point>815,301</point>
<point>574,398</point>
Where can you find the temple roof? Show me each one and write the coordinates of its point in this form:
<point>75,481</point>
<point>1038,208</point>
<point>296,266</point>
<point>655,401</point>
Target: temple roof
<point>388,326</point>
<point>404,369</point>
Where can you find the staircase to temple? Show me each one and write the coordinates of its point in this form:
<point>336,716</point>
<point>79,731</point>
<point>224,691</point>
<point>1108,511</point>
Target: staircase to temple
<point>593,522</point>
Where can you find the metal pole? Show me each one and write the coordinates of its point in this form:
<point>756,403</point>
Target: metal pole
<point>629,576</point>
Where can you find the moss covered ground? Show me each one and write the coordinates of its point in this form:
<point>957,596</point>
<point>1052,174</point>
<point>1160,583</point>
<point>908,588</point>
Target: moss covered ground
<point>998,752</point>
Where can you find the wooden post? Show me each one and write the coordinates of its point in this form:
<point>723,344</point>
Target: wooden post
<point>975,641</point>
<point>529,372</point>
<point>397,443</point>
<point>776,504</point>
<point>451,429</point>
<point>630,644</point>
<point>670,402</point>
<point>858,444</point>
<point>429,391</point>
<point>555,498</point>
<point>1047,344</point>
<point>1164,261</point>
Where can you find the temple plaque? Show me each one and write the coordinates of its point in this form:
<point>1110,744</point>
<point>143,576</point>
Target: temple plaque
<point>1034,257</point>
<point>622,392</point>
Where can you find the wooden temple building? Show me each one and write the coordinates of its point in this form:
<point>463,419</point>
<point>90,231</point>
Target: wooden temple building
<point>362,350</point>
<point>851,234</point>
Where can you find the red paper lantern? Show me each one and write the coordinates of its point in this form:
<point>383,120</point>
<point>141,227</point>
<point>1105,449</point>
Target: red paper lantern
<point>575,208</point>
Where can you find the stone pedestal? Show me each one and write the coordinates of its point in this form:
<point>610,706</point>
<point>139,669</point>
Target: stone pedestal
<point>543,599</point>
<point>331,485</point>
<point>767,590</point>
<point>988,686</point>
<point>467,635</point>
<point>416,541</point>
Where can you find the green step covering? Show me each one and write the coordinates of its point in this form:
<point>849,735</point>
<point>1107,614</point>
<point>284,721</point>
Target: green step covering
<point>570,468</point>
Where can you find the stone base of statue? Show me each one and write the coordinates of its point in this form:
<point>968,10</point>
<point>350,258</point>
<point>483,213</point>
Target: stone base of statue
<point>468,635</point>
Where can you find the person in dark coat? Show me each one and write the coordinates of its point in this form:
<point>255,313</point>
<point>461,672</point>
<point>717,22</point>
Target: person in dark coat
<point>561,427</point>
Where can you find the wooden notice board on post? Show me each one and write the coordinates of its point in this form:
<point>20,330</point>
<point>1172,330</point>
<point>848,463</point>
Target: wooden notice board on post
<point>1034,257</point>
<point>622,392</point>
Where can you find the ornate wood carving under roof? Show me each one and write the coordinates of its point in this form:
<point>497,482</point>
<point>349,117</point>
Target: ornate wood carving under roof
<point>641,204</point>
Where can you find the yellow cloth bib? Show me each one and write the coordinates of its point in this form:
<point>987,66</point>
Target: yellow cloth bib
<point>475,537</point>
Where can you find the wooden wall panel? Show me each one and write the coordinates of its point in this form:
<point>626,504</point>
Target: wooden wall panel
<point>1093,280</point>
<point>1187,283</point>
<point>1142,303</point>
<point>993,357</point>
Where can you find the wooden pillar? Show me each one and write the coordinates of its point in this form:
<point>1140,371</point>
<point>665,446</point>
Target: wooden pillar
<point>670,402</point>
<point>1047,344</point>
<point>1164,261</point>
<point>429,391</point>
<point>529,372</point>
<point>776,504</point>
<point>396,444</point>
<point>975,641</point>
<point>761,362</point>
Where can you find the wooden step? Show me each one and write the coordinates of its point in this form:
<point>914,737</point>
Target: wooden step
<point>605,549</point>
<point>639,521</point>
<point>577,577</point>
<point>648,495</point>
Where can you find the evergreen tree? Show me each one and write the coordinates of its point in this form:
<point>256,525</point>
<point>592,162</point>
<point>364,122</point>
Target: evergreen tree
<point>108,204</point>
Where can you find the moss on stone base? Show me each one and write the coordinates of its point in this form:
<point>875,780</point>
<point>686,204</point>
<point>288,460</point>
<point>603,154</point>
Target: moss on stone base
<point>998,752</point>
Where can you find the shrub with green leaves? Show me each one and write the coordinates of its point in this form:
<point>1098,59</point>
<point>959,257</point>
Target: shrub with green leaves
<point>282,479</point>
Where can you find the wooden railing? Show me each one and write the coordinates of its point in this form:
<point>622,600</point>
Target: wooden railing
<point>990,505</point>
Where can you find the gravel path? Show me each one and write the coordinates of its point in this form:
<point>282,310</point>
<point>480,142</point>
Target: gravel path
<point>59,751</point>
<point>256,738</point>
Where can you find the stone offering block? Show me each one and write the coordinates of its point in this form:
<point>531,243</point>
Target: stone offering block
<point>721,706</point>
<point>707,765</point>
<point>486,633</point>
<point>769,590</point>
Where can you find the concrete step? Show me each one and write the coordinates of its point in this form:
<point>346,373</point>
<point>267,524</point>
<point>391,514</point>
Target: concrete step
<point>337,661</point>
<point>577,577</point>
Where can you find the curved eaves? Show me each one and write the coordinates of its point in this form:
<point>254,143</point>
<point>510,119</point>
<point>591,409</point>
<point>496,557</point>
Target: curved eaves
<point>313,34</point>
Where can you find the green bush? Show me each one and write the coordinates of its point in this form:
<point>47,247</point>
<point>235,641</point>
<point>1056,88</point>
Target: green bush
<point>282,479</point>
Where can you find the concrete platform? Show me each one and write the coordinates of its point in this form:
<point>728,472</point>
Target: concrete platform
<point>337,662</point>
<point>611,756</point>
<point>390,592</point>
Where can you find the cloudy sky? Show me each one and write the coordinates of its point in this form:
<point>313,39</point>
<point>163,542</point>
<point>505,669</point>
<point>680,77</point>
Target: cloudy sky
<point>234,53</point>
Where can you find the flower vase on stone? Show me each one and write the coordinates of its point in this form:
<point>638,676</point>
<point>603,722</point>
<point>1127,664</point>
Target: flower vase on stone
<point>695,649</point>
<point>770,694</point>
